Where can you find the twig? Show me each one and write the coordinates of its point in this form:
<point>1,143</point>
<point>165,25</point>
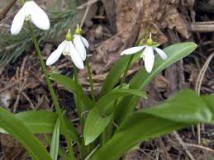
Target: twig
<point>183,145</point>
<point>167,157</point>
<point>200,147</point>
<point>89,3</point>
<point>202,26</point>
<point>12,84</point>
<point>202,73</point>
<point>198,87</point>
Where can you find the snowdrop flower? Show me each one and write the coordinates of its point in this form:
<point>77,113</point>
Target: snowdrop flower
<point>66,48</point>
<point>147,53</point>
<point>30,11</point>
<point>80,43</point>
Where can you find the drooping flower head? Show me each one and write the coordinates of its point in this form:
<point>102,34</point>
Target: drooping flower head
<point>30,11</point>
<point>147,53</point>
<point>66,48</point>
<point>80,43</point>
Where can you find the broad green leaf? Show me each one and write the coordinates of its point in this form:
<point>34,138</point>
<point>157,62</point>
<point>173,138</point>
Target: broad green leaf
<point>69,84</point>
<point>43,122</point>
<point>104,104</point>
<point>196,108</point>
<point>54,148</point>
<point>100,116</point>
<point>38,121</point>
<point>20,132</point>
<point>209,100</point>
<point>174,52</point>
<point>184,109</point>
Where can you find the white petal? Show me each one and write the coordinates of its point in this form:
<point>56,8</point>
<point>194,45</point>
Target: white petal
<point>149,58</point>
<point>76,57</point>
<point>132,50</point>
<point>85,42</point>
<point>56,54</point>
<point>67,48</point>
<point>38,16</point>
<point>80,46</point>
<point>161,53</point>
<point>18,21</point>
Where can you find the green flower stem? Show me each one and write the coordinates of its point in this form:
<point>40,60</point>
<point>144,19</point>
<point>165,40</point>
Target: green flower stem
<point>90,80</point>
<point>53,95</point>
<point>126,71</point>
<point>77,100</point>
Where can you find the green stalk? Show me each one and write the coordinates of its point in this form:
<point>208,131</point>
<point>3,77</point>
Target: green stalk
<point>90,80</point>
<point>126,71</point>
<point>52,93</point>
<point>77,101</point>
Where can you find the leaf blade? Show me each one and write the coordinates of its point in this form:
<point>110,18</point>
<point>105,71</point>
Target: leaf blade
<point>19,131</point>
<point>100,116</point>
<point>150,123</point>
<point>54,147</point>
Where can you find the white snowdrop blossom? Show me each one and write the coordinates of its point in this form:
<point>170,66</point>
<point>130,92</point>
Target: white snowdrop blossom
<point>30,11</point>
<point>80,43</point>
<point>66,48</point>
<point>147,53</point>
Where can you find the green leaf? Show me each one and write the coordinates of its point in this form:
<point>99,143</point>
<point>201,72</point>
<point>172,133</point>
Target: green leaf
<point>196,108</point>
<point>184,109</point>
<point>54,148</point>
<point>115,73</point>
<point>100,116</point>
<point>37,121</point>
<point>43,122</point>
<point>209,100</point>
<point>174,52</point>
<point>72,131</point>
<point>18,130</point>
<point>69,84</point>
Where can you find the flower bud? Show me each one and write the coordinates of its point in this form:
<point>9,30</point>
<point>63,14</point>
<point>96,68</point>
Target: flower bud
<point>149,42</point>
<point>68,36</point>
<point>78,30</point>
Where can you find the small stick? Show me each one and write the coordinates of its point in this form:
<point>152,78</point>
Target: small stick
<point>183,145</point>
<point>198,88</point>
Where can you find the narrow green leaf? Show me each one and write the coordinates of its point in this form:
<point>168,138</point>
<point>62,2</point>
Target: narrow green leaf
<point>68,83</point>
<point>98,124</point>
<point>184,109</point>
<point>100,116</point>
<point>72,131</point>
<point>115,73</point>
<point>174,52</point>
<point>18,130</point>
<point>54,148</point>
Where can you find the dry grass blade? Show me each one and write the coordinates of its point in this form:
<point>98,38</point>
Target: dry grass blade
<point>198,88</point>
